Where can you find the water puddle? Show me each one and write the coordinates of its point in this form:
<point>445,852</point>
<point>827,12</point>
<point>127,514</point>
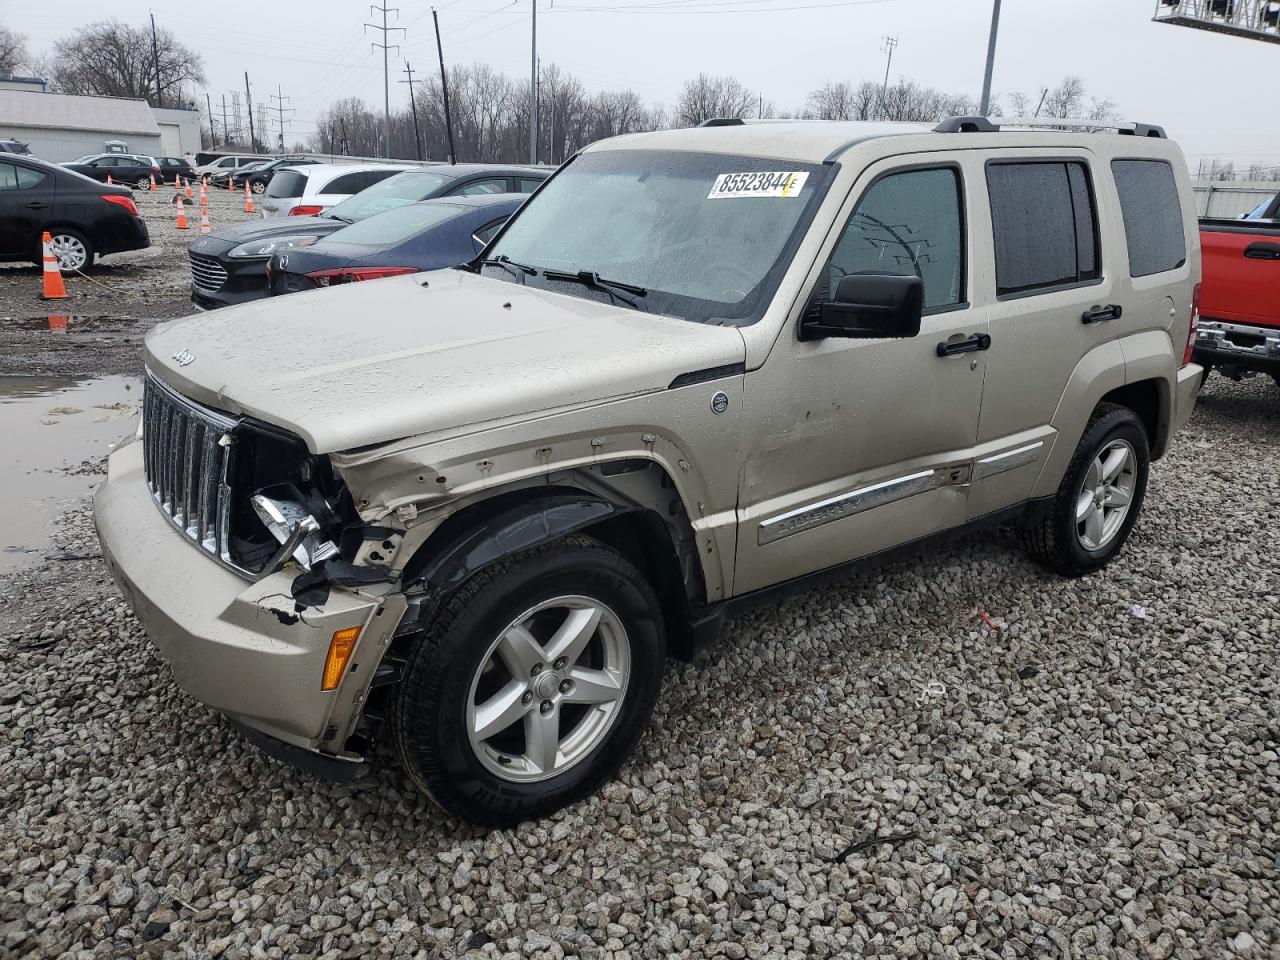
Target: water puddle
<point>68,323</point>
<point>55,429</point>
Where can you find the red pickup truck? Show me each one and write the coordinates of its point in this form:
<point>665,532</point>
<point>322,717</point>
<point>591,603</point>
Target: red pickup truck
<point>1239,332</point>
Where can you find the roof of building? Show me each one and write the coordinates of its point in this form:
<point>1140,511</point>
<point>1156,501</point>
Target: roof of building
<point>58,111</point>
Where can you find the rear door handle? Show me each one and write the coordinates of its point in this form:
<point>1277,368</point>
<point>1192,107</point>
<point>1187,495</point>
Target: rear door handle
<point>979,341</point>
<point>1111,311</point>
<point>1263,251</point>
<point>37,205</point>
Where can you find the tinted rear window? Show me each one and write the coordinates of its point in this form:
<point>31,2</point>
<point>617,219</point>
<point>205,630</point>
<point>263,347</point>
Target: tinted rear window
<point>397,224</point>
<point>396,191</point>
<point>1045,227</point>
<point>287,183</point>
<point>1152,216</point>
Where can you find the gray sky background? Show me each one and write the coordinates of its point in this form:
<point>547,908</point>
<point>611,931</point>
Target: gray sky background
<point>1195,83</point>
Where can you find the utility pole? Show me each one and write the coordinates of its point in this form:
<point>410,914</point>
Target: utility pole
<point>985,107</point>
<point>444,88</point>
<point>155,53</point>
<point>386,68</point>
<point>248,106</point>
<point>533,90</point>
<point>413,105</point>
<point>890,44</point>
<point>280,110</point>
<point>213,134</point>
<point>225,128</point>
<point>343,123</point>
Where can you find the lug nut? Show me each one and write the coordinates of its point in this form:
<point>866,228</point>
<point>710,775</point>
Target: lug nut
<point>566,686</point>
<point>527,698</point>
<point>561,663</point>
<point>546,707</point>
<point>537,669</point>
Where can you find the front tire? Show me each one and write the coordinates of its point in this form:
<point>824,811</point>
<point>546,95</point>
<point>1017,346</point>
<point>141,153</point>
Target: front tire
<point>257,186</point>
<point>1091,516</point>
<point>533,683</point>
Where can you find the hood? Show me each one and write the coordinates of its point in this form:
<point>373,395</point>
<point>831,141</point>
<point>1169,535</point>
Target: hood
<point>381,360</point>
<point>238,233</point>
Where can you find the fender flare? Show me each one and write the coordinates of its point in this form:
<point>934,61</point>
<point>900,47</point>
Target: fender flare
<point>518,527</point>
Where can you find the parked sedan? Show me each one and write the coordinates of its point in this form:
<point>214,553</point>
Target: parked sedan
<point>120,167</point>
<point>229,266</point>
<point>172,167</point>
<point>84,218</point>
<point>259,176</point>
<point>430,235</point>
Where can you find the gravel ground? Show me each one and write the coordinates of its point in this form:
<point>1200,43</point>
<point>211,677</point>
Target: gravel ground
<point>1095,776</point>
<point>112,304</point>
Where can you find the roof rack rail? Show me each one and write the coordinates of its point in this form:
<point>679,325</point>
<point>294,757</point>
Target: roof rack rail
<point>986,125</point>
<point>723,122</point>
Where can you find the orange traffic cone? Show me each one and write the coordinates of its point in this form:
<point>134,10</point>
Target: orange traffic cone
<point>109,180</point>
<point>153,183</point>
<point>204,199</point>
<point>204,222</point>
<point>248,198</point>
<point>177,183</point>
<point>182,215</point>
<point>188,191</point>
<point>53,287</point>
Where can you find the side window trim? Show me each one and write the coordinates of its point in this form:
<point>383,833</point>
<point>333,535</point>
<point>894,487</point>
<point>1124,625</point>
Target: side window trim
<point>963,209</point>
<point>1091,187</point>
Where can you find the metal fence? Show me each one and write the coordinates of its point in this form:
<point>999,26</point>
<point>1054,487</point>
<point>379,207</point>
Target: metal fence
<point>1229,200</point>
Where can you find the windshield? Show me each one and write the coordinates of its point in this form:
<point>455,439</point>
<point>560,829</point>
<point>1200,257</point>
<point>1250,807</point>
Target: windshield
<point>395,225</point>
<point>706,237</point>
<point>394,191</point>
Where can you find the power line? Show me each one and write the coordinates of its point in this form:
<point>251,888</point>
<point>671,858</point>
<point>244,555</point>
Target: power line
<point>386,67</point>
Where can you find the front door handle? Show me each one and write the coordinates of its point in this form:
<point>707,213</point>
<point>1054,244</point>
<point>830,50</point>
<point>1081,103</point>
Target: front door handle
<point>1263,251</point>
<point>37,205</point>
<point>979,341</point>
<point>1111,311</point>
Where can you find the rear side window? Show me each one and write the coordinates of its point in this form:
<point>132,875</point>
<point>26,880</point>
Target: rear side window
<point>481,187</point>
<point>287,183</point>
<point>907,224</point>
<point>1044,220</point>
<point>529,184</point>
<point>14,177</point>
<point>1152,216</point>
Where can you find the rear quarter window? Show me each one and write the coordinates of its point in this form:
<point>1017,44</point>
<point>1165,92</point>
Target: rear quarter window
<point>1152,216</point>
<point>349,183</point>
<point>287,183</point>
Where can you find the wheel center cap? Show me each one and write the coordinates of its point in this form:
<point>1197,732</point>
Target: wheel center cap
<point>547,685</point>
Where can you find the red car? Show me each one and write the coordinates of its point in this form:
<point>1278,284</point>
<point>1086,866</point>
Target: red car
<point>1239,331</point>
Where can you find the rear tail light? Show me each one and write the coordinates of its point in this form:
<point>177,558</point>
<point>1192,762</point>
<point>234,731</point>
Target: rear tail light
<point>327,278</point>
<point>305,211</point>
<point>1195,325</point>
<point>121,200</point>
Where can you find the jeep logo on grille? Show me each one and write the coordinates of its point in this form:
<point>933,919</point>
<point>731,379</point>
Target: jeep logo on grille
<point>183,357</point>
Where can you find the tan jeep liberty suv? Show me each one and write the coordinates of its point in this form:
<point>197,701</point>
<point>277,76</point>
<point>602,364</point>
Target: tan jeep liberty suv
<point>475,509</point>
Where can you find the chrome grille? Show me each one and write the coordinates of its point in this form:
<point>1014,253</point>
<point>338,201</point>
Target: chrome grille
<point>186,453</point>
<point>207,273</point>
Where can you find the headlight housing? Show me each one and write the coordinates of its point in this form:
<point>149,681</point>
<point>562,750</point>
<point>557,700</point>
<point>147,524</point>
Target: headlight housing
<point>265,248</point>
<point>296,530</point>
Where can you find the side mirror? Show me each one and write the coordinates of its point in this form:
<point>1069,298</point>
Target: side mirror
<point>868,307</point>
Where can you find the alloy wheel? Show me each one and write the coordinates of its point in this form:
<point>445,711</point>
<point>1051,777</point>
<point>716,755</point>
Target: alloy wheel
<point>548,689</point>
<point>1106,495</point>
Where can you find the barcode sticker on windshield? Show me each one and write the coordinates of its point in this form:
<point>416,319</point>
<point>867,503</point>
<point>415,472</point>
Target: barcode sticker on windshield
<point>731,185</point>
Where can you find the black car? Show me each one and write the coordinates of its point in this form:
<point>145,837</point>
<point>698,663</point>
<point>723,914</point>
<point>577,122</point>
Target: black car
<point>84,218</point>
<point>120,167</point>
<point>230,265</point>
<point>173,167</point>
<point>429,235</point>
<point>259,177</point>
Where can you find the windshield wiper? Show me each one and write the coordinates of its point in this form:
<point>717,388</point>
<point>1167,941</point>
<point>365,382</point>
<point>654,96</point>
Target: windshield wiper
<point>589,278</point>
<point>334,216</point>
<point>521,270</point>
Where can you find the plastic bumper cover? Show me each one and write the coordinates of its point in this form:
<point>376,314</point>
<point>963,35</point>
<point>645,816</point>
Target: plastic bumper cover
<point>237,646</point>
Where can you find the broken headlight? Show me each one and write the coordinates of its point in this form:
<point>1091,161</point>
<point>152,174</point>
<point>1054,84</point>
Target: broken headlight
<point>298,532</point>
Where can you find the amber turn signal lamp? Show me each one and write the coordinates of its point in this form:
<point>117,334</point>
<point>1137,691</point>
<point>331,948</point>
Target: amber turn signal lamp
<point>340,647</point>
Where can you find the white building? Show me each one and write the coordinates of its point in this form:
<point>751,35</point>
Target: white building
<point>59,127</point>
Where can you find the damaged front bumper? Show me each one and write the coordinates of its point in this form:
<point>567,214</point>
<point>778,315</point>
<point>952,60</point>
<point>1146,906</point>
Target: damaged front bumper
<point>241,646</point>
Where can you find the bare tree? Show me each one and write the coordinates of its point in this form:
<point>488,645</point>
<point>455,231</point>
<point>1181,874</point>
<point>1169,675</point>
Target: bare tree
<point>13,52</point>
<point>707,97</point>
<point>843,101</point>
<point>1065,100</point>
<point>116,60</point>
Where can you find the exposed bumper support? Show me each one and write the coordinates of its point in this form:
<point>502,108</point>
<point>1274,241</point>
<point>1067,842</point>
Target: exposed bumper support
<point>1222,344</point>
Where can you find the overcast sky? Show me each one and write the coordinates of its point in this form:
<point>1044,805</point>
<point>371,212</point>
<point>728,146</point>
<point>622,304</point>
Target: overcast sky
<point>1215,94</point>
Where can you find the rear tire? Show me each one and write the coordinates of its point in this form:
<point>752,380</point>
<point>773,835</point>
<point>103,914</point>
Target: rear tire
<point>258,186</point>
<point>72,248</point>
<point>1091,516</point>
<point>515,701</point>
